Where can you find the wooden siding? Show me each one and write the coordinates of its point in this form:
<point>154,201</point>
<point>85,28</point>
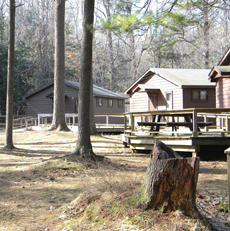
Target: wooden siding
<point>38,104</point>
<point>222,93</point>
<point>72,95</point>
<point>177,99</point>
<point>105,109</point>
<point>189,103</point>
<point>166,86</point>
<point>139,102</point>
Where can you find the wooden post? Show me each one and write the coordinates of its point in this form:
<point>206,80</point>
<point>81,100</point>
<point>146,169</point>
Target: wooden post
<point>132,122</point>
<point>125,122</point>
<point>227,151</point>
<point>227,124</point>
<point>205,120</point>
<point>107,119</point>
<point>38,120</point>
<point>194,123</point>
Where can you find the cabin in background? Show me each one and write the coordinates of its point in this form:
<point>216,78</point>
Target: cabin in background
<point>40,101</point>
<point>166,89</point>
<point>220,74</point>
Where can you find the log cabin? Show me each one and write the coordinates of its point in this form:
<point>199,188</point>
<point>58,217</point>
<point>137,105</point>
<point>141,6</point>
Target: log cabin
<point>40,101</point>
<point>167,89</point>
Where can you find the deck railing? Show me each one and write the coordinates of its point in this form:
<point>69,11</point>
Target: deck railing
<point>220,116</point>
<point>72,118</point>
<point>19,121</point>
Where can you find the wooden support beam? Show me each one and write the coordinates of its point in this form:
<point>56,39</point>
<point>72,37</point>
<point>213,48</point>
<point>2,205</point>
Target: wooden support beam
<point>194,123</point>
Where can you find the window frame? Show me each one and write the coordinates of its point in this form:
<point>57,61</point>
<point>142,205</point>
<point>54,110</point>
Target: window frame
<point>200,98</point>
<point>99,102</point>
<point>110,105</point>
<point>120,103</point>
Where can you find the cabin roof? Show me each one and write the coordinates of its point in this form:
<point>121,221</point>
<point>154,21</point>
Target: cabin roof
<point>179,77</point>
<point>222,67</point>
<point>219,71</point>
<point>97,91</point>
<point>225,61</point>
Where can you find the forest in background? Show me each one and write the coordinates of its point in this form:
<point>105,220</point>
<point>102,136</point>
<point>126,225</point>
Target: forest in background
<point>129,37</point>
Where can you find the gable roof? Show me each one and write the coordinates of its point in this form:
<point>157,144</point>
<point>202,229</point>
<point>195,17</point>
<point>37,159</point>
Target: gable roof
<point>179,77</point>
<point>97,91</point>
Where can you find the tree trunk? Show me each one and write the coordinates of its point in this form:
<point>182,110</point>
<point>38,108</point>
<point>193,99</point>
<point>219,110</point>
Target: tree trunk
<point>170,182</point>
<point>10,77</point>
<point>59,68</point>
<point>84,146</point>
<point>206,33</point>
<point>93,129</point>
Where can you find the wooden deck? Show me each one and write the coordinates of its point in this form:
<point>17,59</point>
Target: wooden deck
<point>181,139</point>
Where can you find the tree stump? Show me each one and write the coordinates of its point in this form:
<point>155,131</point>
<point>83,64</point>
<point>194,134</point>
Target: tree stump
<point>170,182</point>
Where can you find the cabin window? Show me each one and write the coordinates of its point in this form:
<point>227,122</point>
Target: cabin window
<point>99,102</point>
<point>200,95</point>
<point>120,103</point>
<point>110,103</point>
<point>169,100</point>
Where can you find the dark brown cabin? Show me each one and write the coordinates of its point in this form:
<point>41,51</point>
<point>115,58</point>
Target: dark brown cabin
<point>221,75</point>
<point>40,101</point>
<point>166,89</point>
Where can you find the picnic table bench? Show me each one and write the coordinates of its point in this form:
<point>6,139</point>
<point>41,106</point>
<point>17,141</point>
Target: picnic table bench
<point>174,125</point>
<point>152,125</point>
<point>188,124</point>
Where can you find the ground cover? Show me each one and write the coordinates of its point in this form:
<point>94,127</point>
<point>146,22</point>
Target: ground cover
<point>43,189</point>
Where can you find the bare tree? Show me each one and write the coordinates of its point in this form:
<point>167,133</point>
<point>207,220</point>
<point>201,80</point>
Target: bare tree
<point>84,146</point>
<point>59,68</point>
<point>10,77</point>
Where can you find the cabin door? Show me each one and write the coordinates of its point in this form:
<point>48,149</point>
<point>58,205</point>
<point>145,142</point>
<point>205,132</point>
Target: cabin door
<point>153,99</point>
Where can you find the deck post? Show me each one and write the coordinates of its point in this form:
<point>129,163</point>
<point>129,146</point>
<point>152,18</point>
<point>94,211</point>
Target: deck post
<point>38,120</point>
<point>125,122</point>
<point>107,119</point>
<point>194,123</point>
<point>227,151</point>
<point>222,123</point>
<point>227,124</point>
<point>205,120</point>
<point>132,122</point>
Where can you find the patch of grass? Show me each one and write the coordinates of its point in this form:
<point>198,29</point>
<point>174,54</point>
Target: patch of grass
<point>132,220</point>
<point>224,206</point>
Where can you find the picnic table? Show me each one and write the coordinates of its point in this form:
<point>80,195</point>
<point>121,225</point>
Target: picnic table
<point>157,123</point>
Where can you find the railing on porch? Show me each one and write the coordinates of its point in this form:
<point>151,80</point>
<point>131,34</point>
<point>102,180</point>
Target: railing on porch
<point>72,118</point>
<point>220,116</point>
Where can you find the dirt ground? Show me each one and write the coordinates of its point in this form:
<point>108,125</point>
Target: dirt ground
<point>43,189</point>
